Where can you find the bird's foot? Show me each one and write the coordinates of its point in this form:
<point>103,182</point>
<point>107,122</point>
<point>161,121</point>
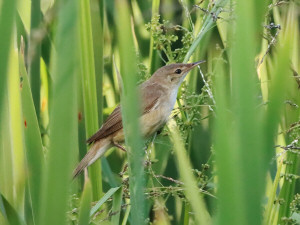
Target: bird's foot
<point>119,146</point>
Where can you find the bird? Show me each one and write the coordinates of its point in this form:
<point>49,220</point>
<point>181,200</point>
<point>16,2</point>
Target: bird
<point>158,97</point>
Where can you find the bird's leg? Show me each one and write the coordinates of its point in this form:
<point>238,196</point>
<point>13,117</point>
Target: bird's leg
<point>119,146</point>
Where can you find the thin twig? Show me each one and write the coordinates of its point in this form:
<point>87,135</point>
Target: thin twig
<point>214,15</point>
<point>289,147</point>
<point>188,15</point>
<point>170,179</point>
<point>270,26</point>
<point>208,90</point>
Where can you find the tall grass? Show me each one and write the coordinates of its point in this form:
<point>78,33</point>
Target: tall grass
<point>130,113</point>
<point>88,81</point>
<point>34,54</point>
<point>240,154</point>
<point>8,10</point>
<point>32,138</point>
<point>63,139</point>
<point>230,152</point>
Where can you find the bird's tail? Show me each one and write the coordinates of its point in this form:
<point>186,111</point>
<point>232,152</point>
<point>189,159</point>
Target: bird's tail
<point>97,150</point>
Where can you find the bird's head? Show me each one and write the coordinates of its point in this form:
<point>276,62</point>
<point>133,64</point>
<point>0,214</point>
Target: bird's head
<point>173,74</point>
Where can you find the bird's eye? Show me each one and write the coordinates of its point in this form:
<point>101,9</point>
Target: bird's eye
<point>178,71</point>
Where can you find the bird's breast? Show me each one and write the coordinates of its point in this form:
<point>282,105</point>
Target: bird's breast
<point>156,118</point>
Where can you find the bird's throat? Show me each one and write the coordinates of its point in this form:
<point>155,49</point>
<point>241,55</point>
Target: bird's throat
<point>173,97</point>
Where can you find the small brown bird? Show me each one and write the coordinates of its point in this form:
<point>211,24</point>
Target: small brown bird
<point>158,96</point>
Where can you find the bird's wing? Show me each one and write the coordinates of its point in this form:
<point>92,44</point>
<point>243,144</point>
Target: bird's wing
<point>113,123</point>
<point>150,95</point>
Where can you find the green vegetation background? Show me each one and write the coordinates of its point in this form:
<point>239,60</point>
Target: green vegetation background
<point>230,152</point>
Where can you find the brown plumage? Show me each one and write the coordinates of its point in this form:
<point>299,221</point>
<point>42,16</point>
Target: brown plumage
<point>158,96</point>
<point>110,126</point>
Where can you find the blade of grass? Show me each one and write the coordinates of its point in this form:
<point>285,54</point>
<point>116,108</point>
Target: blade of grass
<point>289,42</point>
<point>21,32</point>
<point>6,165</point>
<point>130,113</point>
<point>107,172</point>
<point>127,212</point>
<point>272,196</point>
<point>81,127</point>
<point>6,177</point>
<point>9,212</point>
<point>45,100</point>
<point>227,174</point>
<point>24,11</point>
<point>106,196</point>
<point>276,99</point>
<point>186,216</point>
<point>63,118</point>
<point>7,15</point>
<point>88,80</point>
<point>239,138</point>
<point>28,215</point>
<point>32,138</point>
<point>16,134</point>
<point>85,205</point>
<point>34,54</point>
<point>192,191</point>
<point>97,11</point>
<point>116,207</point>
